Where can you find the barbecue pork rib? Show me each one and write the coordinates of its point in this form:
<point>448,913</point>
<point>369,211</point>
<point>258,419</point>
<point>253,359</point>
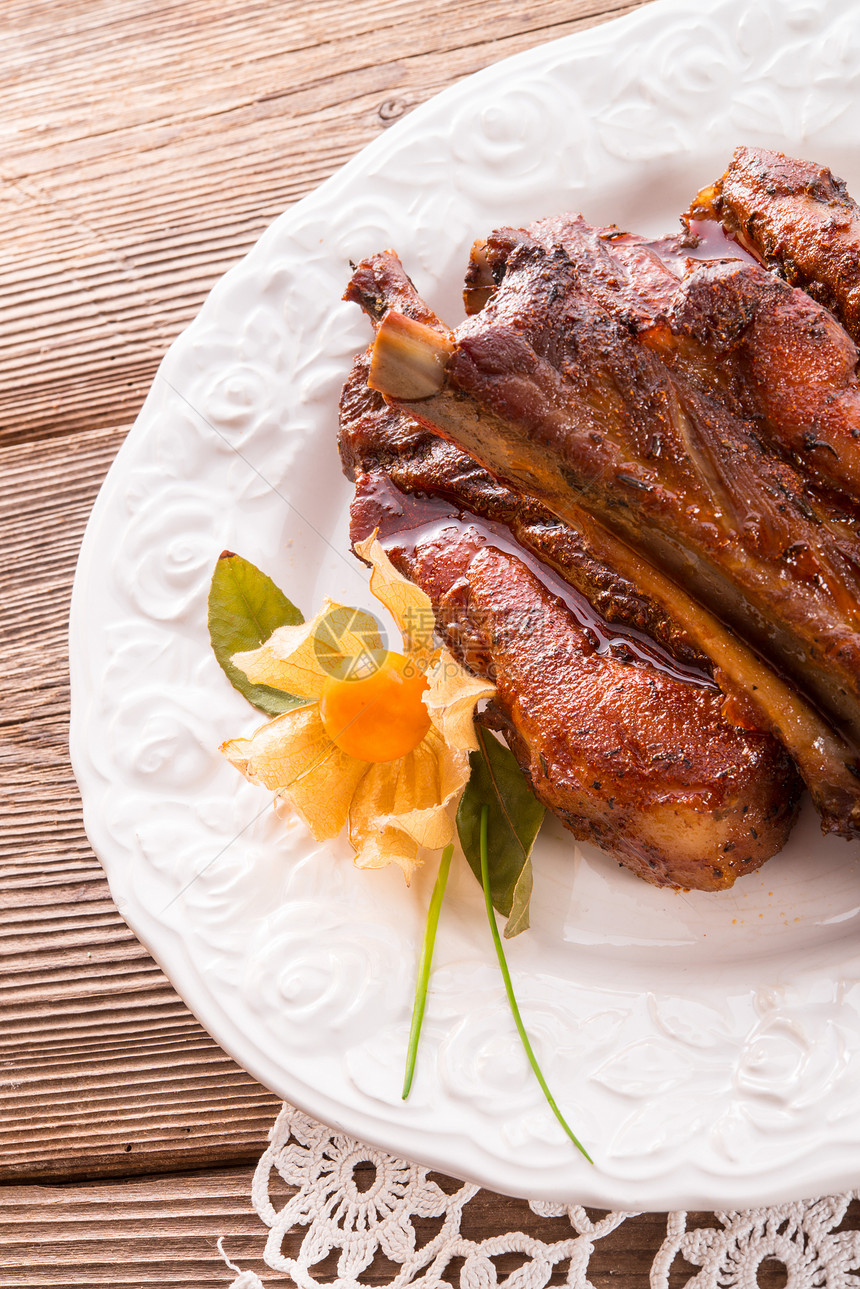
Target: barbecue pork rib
<point>797,217</point>
<point>784,363</point>
<point>608,707</point>
<point>732,329</point>
<point>551,387</point>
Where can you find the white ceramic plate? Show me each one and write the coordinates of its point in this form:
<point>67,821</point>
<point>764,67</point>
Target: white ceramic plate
<point>707,1048</point>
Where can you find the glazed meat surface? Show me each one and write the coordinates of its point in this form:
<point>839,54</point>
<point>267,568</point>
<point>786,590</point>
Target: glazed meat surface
<point>609,708</point>
<point>783,361</point>
<point>374,436</point>
<point>672,470</point>
<point>795,216</point>
<point>735,331</point>
<point>551,387</point>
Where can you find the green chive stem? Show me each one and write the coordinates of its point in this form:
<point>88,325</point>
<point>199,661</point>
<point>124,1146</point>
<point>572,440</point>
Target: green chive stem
<point>424,966</point>
<point>509,989</point>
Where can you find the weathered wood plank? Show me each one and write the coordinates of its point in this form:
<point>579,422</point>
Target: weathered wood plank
<point>102,1068</point>
<point>158,1231</point>
<point>163,1231</point>
<point>145,147</point>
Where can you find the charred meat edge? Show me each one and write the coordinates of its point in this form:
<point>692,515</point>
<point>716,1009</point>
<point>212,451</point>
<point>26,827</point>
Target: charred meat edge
<point>796,217</point>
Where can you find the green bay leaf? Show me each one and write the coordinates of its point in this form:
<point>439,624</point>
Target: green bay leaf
<point>245,607</point>
<point>514,820</point>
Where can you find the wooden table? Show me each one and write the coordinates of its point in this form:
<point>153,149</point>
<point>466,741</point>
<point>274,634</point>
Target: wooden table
<point>145,146</point>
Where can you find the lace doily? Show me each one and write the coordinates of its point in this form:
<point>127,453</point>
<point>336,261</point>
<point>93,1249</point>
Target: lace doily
<point>355,1203</point>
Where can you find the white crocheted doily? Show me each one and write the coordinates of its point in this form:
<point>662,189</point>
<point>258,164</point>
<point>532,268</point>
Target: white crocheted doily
<point>354,1202</point>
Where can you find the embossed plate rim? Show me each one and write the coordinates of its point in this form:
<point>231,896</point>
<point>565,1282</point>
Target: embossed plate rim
<point>459,1140</point>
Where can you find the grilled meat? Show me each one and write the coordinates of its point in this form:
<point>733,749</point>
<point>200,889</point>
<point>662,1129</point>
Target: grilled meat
<point>607,704</point>
<point>732,329</point>
<point>784,362</point>
<point>552,389</point>
<point>418,461</point>
<point>797,217</point>
<point>373,437</point>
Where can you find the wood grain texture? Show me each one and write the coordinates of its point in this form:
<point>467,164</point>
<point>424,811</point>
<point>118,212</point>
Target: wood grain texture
<point>163,1232</point>
<point>143,148</point>
<point>154,1231</point>
<point>102,1068</point>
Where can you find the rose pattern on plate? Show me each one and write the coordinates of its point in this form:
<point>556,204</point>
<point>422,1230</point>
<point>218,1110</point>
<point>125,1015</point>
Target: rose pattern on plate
<point>328,979</point>
<point>743,1092</point>
<point>169,542</point>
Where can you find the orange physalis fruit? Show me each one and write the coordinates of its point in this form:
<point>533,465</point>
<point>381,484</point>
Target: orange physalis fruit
<point>379,717</point>
<point>384,754</point>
